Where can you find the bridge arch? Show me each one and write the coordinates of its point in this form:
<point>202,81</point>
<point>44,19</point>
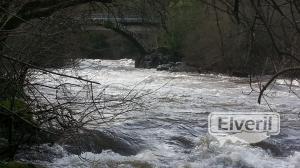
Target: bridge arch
<point>121,27</point>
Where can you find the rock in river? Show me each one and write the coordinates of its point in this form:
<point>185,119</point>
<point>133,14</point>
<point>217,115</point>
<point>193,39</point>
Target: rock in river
<point>95,141</point>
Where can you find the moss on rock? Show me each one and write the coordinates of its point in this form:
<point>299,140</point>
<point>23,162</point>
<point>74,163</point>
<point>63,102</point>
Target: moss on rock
<point>16,164</point>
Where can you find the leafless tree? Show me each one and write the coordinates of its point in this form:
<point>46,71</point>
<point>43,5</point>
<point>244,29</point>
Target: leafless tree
<point>278,21</point>
<point>30,108</point>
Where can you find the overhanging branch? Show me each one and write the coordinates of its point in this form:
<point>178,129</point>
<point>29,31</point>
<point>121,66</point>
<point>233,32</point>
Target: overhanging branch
<point>42,8</point>
<point>275,77</point>
<point>47,71</point>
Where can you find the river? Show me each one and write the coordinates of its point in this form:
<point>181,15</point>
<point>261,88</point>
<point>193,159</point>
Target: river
<point>173,127</point>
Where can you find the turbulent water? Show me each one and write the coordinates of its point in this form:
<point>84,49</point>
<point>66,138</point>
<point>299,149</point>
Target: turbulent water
<point>172,129</point>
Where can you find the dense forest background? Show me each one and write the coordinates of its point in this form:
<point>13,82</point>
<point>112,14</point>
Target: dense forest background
<point>204,34</point>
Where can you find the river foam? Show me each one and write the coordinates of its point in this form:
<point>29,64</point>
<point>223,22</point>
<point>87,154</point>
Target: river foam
<point>174,126</point>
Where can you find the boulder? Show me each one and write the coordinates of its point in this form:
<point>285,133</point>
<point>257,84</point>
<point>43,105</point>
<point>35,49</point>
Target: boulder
<point>79,142</point>
<point>274,148</point>
<point>164,67</point>
<point>45,152</point>
<point>154,59</point>
<point>183,67</point>
<point>182,141</point>
<point>95,141</point>
<point>240,74</point>
<point>279,147</point>
<point>157,57</point>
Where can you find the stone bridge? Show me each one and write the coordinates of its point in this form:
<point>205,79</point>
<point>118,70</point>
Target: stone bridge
<point>140,31</point>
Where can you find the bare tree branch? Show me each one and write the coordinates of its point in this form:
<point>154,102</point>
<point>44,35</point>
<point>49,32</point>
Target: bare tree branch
<point>289,70</point>
<point>47,71</point>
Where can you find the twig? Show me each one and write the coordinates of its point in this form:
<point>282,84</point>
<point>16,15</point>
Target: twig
<point>47,71</point>
<point>273,78</point>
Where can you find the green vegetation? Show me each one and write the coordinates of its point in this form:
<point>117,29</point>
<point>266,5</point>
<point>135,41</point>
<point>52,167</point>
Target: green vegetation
<point>19,106</point>
<point>183,18</point>
<point>15,164</point>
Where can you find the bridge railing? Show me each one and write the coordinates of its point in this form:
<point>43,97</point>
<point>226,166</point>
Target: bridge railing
<point>125,20</point>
